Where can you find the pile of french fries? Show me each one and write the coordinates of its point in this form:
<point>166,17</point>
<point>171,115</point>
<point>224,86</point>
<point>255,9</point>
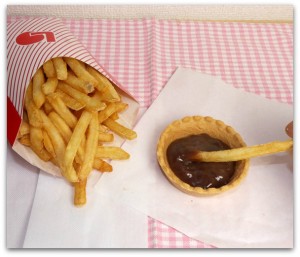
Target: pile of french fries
<point>70,112</point>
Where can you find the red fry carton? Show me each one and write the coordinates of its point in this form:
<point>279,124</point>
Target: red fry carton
<point>30,43</point>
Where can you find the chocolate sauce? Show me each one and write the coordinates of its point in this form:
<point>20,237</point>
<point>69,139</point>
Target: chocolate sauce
<point>195,173</point>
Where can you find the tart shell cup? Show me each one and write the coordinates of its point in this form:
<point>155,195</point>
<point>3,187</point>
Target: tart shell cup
<point>194,125</point>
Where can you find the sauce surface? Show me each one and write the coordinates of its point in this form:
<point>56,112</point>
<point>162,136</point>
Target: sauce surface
<point>195,173</point>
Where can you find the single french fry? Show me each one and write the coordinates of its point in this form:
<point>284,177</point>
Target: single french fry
<point>80,193</point>
<point>60,68</point>
<point>79,84</point>
<point>24,129</point>
<point>70,101</point>
<point>111,152</point>
<point>101,165</point>
<point>66,133</point>
<point>36,144</point>
<point>111,109</point>
<point>37,93</point>
<point>62,110</point>
<point>49,86</point>
<point>61,126</point>
<point>47,107</point>
<point>120,129</point>
<point>33,114</point>
<point>48,144</point>
<point>25,140</point>
<point>80,71</point>
<point>49,69</point>
<point>36,139</point>
<point>90,103</point>
<point>105,137</point>
<point>59,148</point>
<point>242,153</point>
<point>75,140</point>
<point>108,91</point>
<point>90,148</point>
<point>103,128</point>
<point>114,116</point>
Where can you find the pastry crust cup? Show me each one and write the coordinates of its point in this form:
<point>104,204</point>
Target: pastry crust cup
<point>194,125</point>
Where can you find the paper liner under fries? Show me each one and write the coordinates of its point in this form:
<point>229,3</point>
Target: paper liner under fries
<point>30,43</point>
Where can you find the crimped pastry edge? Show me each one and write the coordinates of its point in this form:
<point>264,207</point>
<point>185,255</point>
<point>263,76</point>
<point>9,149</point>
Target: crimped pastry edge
<point>196,125</point>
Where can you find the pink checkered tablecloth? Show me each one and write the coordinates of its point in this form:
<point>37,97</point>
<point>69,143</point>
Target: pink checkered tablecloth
<point>143,54</point>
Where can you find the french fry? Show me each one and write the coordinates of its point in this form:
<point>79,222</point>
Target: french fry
<point>47,107</point>
<point>62,110</point>
<point>49,69</point>
<point>36,144</point>
<point>111,109</point>
<point>48,144</point>
<point>69,101</point>
<point>60,68</point>
<point>108,91</point>
<point>37,93</point>
<point>120,129</point>
<point>75,140</point>
<point>66,133</point>
<point>111,152</point>
<point>101,165</point>
<point>25,140</point>
<point>62,127</point>
<point>79,84</point>
<point>68,117</point>
<point>80,193</point>
<point>242,153</point>
<point>80,71</point>
<point>36,139</point>
<point>90,103</point>
<point>49,86</point>
<point>90,148</point>
<point>59,148</point>
<point>114,116</point>
<point>24,129</point>
<point>105,137</point>
<point>33,114</point>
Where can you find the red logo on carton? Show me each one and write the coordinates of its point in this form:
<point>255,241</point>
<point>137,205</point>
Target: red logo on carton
<point>28,38</point>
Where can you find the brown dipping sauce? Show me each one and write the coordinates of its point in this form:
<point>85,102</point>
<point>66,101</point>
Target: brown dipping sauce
<point>195,173</point>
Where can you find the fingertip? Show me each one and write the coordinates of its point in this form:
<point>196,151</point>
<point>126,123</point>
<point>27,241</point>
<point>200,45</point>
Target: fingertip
<point>289,129</point>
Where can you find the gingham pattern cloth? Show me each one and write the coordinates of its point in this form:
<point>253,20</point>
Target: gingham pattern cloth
<point>143,54</point>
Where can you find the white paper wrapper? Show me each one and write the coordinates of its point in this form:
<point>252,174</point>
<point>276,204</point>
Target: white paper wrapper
<point>31,43</point>
<point>258,213</point>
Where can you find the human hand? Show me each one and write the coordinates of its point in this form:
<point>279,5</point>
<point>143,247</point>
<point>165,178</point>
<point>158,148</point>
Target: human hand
<point>289,129</point>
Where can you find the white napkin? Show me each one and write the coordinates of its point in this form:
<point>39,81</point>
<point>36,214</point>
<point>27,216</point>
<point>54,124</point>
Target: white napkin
<point>21,179</point>
<point>258,213</point>
<point>103,223</point>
